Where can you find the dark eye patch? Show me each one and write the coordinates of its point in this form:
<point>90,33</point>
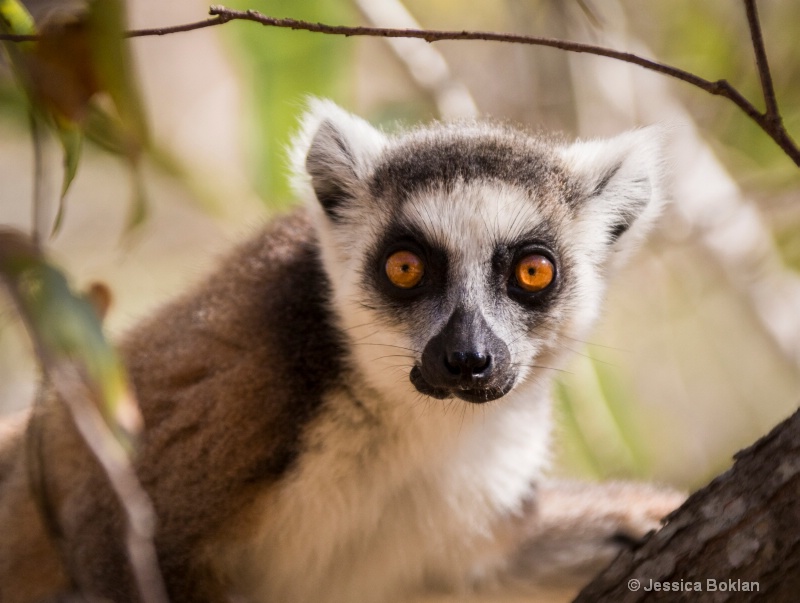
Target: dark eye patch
<point>400,237</point>
<point>541,241</point>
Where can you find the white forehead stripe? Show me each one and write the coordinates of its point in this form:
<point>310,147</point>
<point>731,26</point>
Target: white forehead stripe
<point>471,218</point>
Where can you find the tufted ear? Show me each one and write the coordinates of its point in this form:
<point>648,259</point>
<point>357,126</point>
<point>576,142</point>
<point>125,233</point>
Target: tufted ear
<point>334,153</point>
<point>622,183</point>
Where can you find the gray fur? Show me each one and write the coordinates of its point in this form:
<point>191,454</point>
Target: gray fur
<point>448,153</point>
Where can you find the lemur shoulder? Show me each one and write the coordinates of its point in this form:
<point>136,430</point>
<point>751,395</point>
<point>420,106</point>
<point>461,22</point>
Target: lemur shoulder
<point>355,407</point>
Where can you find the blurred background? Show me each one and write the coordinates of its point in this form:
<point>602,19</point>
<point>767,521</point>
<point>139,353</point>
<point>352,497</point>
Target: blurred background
<point>698,352</point>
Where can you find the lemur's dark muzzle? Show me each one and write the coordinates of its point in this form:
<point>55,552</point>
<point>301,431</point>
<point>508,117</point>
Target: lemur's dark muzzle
<point>465,359</point>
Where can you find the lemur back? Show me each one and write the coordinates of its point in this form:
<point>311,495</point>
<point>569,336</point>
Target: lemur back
<point>355,406</point>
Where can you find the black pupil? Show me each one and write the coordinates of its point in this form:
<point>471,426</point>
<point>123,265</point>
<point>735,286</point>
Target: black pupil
<point>531,271</point>
<point>405,268</point>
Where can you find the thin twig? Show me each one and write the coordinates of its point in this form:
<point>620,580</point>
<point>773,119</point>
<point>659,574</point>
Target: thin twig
<point>721,87</point>
<point>769,122</point>
<point>762,64</point>
<point>163,31</point>
<point>774,128</point>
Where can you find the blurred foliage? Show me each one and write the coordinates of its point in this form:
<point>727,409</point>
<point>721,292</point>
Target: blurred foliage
<point>280,69</point>
<point>66,330</point>
<point>712,39</point>
<point>78,57</point>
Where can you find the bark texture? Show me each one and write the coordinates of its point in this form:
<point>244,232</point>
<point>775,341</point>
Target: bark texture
<point>743,528</point>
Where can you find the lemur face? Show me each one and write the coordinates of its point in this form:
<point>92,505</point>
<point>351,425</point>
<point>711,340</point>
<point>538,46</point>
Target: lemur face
<point>472,273</point>
<point>462,258</point>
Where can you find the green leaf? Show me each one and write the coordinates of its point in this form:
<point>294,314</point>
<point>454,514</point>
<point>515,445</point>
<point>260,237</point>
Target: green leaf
<point>63,72</point>
<point>105,130</point>
<point>112,62</point>
<point>113,65</point>
<point>15,18</point>
<point>66,329</point>
<point>71,139</point>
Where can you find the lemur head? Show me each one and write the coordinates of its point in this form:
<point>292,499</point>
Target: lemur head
<point>462,257</point>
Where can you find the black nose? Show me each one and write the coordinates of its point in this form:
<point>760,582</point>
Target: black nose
<point>464,359</point>
<point>467,364</point>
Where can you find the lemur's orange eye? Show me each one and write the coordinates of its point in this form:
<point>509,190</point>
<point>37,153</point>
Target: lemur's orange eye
<point>404,269</point>
<point>534,272</point>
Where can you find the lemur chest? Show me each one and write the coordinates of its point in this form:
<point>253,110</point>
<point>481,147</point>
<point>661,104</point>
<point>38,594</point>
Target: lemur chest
<point>383,502</point>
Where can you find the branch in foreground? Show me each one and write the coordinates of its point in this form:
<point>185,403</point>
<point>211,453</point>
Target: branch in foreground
<point>767,121</point>
<point>740,529</point>
<point>770,121</point>
<point>720,87</point>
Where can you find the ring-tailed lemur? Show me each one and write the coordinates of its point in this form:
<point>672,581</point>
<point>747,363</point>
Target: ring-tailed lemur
<point>355,407</point>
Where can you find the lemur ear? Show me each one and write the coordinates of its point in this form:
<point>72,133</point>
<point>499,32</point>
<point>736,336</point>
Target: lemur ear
<point>334,153</point>
<point>622,182</point>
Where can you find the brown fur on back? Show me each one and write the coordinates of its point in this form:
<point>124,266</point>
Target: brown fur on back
<point>223,416</point>
<point>11,431</point>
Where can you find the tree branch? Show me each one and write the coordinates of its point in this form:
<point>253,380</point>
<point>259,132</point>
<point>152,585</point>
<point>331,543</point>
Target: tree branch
<point>761,61</point>
<point>770,121</point>
<point>720,87</point>
<point>740,528</point>
<point>773,127</point>
<point>163,31</point>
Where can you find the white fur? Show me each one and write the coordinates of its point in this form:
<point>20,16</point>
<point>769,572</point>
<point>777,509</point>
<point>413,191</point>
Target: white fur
<point>639,182</point>
<point>365,141</point>
<point>388,498</point>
